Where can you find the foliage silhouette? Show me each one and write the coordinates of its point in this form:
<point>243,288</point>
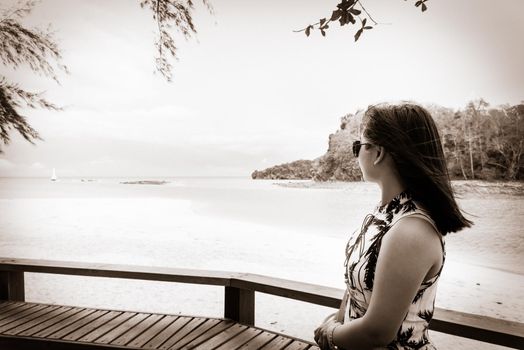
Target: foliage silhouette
<point>347,12</point>
<point>34,48</point>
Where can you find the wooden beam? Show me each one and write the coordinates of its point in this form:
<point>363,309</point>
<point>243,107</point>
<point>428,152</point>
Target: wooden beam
<point>307,292</point>
<point>482,328</point>
<point>150,273</point>
<point>12,285</point>
<point>239,305</point>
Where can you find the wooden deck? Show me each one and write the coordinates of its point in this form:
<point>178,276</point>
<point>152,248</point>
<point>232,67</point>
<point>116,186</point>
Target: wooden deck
<point>239,312</point>
<point>36,326</point>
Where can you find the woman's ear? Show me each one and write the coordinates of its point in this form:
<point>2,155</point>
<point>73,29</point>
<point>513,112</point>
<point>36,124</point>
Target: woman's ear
<point>381,153</point>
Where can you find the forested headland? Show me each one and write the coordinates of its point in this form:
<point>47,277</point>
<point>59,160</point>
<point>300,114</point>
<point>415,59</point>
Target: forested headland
<point>480,143</point>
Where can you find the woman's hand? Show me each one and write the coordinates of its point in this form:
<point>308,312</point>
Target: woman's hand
<point>321,333</point>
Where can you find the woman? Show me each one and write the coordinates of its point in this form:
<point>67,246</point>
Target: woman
<point>394,262</point>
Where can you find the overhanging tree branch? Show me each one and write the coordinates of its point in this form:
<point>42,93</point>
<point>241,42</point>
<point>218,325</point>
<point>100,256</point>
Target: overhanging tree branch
<point>170,14</point>
<point>35,49</point>
<point>345,13</point>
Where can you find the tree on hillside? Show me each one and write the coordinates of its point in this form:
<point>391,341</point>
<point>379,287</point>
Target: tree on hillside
<point>481,142</point>
<point>476,114</point>
<point>507,142</point>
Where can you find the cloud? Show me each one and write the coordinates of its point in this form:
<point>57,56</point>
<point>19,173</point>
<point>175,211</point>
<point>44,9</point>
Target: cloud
<point>6,164</point>
<point>10,168</point>
<point>105,160</point>
<point>38,166</point>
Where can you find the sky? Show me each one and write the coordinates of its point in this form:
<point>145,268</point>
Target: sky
<point>248,92</point>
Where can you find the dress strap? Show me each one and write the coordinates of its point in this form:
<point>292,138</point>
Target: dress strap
<point>423,216</point>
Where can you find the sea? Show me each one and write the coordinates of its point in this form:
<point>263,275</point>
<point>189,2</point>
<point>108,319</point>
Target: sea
<point>288,229</point>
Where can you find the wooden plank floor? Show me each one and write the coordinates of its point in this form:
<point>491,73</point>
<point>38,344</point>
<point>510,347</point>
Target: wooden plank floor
<point>40,326</point>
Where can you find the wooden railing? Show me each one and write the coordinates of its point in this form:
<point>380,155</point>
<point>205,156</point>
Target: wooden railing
<point>239,294</point>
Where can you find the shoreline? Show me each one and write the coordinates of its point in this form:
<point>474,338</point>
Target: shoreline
<point>460,187</point>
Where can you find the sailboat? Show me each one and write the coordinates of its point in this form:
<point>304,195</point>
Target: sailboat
<point>53,177</point>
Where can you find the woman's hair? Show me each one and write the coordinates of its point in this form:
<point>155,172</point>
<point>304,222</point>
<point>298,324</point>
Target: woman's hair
<point>409,134</point>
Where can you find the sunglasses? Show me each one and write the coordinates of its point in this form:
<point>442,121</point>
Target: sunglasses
<point>356,147</point>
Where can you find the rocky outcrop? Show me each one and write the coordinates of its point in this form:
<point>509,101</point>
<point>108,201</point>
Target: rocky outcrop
<point>337,164</point>
<point>297,170</point>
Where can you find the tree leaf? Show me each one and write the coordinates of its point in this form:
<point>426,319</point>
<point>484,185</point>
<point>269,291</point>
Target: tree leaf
<point>343,19</point>
<point>322,21</point>
<point>357,34</point>
<point>336,15</point>
<point>344,5</point>
<point>368,27</point>
<point>323,32</point>
<point>355,11</point>
<point>364,22</point>
<point>424,7</point>
<point>418,3</point>
<point>308,30</point>
<point>351,18</point>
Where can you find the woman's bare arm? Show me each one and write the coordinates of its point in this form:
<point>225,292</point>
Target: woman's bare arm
<point>409,251</point>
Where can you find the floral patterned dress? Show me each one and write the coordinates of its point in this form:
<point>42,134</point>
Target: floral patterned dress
<point>361,258</point>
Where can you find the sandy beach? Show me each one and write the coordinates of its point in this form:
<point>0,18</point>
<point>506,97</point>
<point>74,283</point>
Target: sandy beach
<point>483,272</point>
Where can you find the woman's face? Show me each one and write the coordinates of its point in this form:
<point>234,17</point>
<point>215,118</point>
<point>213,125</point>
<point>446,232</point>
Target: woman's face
<point>366,158</point>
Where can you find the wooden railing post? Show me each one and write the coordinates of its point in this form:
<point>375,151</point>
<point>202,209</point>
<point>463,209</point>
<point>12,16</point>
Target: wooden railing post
<point>239,305</point>
<point>12,285</point>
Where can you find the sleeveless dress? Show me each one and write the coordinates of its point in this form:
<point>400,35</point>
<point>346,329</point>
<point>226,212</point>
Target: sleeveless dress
<point>361,258</point>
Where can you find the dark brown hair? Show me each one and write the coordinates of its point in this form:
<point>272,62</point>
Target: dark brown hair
<point>409,134</point>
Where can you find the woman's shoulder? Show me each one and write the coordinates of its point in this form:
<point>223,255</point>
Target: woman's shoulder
<point>416,231</point>
<point>417,240</point>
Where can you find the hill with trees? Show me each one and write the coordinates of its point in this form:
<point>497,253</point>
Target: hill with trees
<point>479,142</point>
